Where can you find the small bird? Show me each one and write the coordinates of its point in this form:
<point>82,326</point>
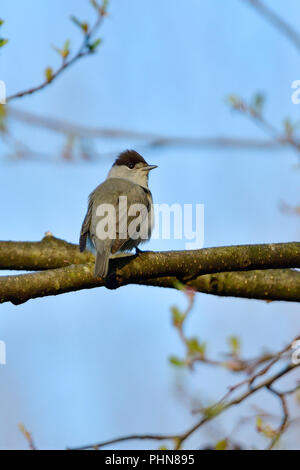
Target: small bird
<point>126,181</point>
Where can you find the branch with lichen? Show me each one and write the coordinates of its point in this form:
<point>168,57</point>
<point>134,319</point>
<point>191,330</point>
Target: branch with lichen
<point>251,271</point>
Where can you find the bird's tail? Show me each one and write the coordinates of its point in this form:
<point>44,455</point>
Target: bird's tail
<point>101,265</point>
<point>103,251</point>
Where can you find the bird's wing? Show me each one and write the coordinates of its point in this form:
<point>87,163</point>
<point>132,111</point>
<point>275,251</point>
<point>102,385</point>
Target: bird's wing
<point>85,229</point>
<point>135,195</point>
<point>87,225</point>
<point>109,192</point>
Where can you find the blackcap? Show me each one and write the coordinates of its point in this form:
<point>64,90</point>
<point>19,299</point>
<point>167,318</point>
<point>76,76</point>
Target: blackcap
<point>120,211</point>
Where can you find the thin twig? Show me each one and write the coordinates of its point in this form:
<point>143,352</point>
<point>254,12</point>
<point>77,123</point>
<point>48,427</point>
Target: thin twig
<point>127,438</point>
<point>276,21</point>
<point>83,51</point>
<point>285,418</point>
<point>150,139</point>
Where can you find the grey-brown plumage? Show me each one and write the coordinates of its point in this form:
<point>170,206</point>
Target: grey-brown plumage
<point>128,177</point>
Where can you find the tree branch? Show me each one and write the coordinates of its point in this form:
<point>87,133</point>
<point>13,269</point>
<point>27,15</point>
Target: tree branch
<point>209,414</point>
<point>49,253</point>
<point>221,407</point>
<point>84,50</point>
<point>52,252</point>
<point>276,21</point>
<point>151,140</point>
<point>218,271</point>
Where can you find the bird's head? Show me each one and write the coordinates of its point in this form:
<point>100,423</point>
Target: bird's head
<point>130,165</point>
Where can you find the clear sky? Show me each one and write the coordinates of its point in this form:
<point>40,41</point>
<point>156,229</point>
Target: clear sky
<point>89,366</point>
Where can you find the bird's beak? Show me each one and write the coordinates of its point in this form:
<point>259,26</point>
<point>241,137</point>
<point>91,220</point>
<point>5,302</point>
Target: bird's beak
<point>149,167</point>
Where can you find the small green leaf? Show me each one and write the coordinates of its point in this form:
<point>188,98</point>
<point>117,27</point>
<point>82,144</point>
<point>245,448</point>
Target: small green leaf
<point>66,49</point>
<point>48,74</point>
<point>194,347</point>
<point>288,127</point>
<point>3,42</point>
<point>178,285</point>
<point>221,445</point>
<point>94,4</point>
<point>177,317</point>
<point>214,410</point>
<point>103,8</point>
<point>258,102</point>
<point>265,429</point>
<point>202,349</point>
<point>75,21</point>
<point>234,100</point>
<point>259,422</point>
<point>2,111</point>
<point>82,25</point>
<point>1,22</point>
<point>234,344</point>
<point>57,49</point>
<point>2,118</point>
<point>175,361</point>
<point>85,27</point>
<point>95,44</point>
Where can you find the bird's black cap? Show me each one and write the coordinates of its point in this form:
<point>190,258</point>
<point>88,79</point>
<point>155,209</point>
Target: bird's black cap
<point>130,158</point>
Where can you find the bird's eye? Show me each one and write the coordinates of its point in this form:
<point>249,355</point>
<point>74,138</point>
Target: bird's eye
<point>131,166</point>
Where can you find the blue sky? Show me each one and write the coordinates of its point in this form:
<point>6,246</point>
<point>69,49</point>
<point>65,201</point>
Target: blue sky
<point>92,365</point>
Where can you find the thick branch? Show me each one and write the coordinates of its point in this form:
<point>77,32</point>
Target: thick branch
<point>48,253</point>
<point>198,269</point>
<point>52,252</point>
<point>270,284</point>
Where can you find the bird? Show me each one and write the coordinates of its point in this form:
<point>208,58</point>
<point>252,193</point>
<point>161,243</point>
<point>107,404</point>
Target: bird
<point>126,181</point>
